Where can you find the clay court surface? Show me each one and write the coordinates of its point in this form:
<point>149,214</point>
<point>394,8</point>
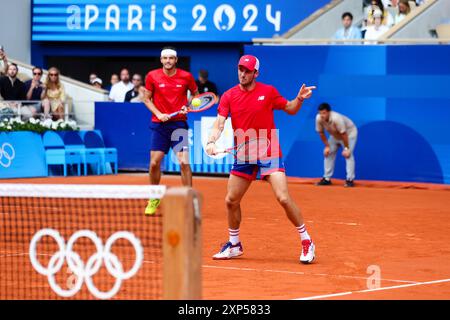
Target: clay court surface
<point>402,230</point>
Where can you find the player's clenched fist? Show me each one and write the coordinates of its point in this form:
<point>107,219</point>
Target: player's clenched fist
<point>163,117</point>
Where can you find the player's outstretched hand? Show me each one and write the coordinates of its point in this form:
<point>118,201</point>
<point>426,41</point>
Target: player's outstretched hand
<point>163,117</point>
<point>305,92</point>
<point>211,149</point>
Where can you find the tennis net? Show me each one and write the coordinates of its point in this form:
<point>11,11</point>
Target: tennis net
<point>85,241</point>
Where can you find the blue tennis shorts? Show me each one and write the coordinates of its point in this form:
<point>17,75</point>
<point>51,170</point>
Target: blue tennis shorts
<point>264,168</point>
<point>170,134</point>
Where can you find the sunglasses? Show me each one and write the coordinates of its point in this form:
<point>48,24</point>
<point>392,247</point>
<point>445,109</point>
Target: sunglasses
<point>53,74</point>
<point>37,73</point>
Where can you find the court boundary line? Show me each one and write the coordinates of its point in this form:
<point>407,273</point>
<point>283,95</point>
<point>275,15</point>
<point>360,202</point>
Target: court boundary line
<point>373,290</point>
<point>256,270</point>
<point>307,274</point>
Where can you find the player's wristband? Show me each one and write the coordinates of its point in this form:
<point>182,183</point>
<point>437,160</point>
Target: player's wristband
<point>210,142</point>
<point>300,99</point>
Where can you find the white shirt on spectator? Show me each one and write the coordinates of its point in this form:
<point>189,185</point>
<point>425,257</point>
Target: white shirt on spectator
<point>399,17</point>
<point>119,90</point>
<point>337,124</point>
<point>374,32</point>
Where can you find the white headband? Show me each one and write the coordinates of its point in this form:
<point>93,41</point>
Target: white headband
<point>168,53</point>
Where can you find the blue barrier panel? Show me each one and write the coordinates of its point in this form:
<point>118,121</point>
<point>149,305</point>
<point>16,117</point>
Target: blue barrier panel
<point>125,126</point>
<point>397,96</point>
<point>22,155</point>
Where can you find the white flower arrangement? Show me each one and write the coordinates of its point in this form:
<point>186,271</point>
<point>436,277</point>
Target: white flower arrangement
<point>35,125</point>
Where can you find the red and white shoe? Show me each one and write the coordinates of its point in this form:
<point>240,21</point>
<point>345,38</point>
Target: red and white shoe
<point>308,249</point>
<point>229,251</point>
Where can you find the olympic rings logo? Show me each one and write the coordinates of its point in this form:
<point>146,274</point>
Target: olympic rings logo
<point>7,154</point>
<point>85,271</point>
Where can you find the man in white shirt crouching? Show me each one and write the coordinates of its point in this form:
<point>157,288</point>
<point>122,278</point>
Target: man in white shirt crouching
<point>343,132</point>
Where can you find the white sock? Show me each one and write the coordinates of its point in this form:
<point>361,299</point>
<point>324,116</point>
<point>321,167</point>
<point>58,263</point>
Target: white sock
<point>303,233</point>
<point>234,236</point>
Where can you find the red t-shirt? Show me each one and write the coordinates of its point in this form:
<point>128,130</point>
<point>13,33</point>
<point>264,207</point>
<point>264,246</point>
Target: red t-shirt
<point>254,110</point>
<point>170,93</point>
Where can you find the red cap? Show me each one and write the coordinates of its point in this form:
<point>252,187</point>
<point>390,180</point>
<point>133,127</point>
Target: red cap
<point>250,62</point>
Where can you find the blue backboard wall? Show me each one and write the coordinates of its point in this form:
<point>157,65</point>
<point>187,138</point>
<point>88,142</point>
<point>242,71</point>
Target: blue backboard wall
<point>398,96</point>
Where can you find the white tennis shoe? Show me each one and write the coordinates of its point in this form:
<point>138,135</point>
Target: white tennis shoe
<point>308,249</point>
<point>229,251</point>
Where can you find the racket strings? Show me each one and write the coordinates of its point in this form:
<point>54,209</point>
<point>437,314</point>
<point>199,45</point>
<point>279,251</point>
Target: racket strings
<point>253,150</point>
<point>206,102</point>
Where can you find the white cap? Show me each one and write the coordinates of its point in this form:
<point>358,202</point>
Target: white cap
<point>98,80</point>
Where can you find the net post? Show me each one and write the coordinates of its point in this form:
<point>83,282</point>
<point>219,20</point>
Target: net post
<point>182,244</point>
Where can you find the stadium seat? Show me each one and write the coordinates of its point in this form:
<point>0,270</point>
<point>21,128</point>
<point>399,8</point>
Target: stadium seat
<point>57,154</point>
<point>94,141</point>
<point>73,141</point>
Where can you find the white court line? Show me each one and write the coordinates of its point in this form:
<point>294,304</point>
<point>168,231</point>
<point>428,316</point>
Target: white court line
<point>373,290</point>
<point>306,274</point>
<point>336,222</point>
<point>325,296</point>
<point>409,283</point>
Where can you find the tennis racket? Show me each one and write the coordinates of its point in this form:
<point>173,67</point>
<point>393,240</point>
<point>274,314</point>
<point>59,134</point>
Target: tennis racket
<point>249,151</point>
<point>208,99</point>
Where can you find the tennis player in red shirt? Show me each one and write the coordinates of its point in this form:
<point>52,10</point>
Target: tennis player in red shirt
<point>167,89</point>
<point>250,105</point>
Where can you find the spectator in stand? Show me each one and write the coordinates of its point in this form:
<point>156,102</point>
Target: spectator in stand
<point>54,95</point>
<point>113,81</point>
<point>375,31</point>
<point>92,77</point>
<point>137,93</point>
<point>388,20</point>
<point>120,89</point>
<point>386,3</point>
<point>11,88</point>
<point>203,84</point>
<point>34,87</point>
<point>3,62</point>
<point>403,10</point>
<point>347,31</point>
<point>97,82</point>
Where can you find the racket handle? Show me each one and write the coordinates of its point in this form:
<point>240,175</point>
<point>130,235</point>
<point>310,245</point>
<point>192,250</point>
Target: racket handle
<point>173,114</point>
